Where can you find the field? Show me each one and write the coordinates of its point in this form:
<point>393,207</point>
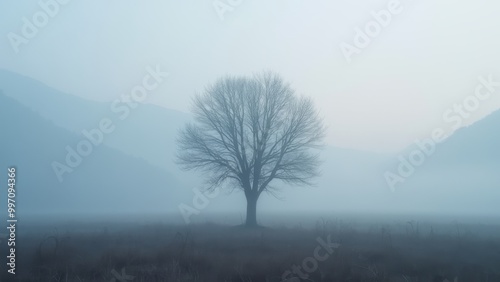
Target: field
<point>329,250</point>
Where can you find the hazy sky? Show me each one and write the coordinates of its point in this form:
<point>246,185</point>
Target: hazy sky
<point>426,59</point>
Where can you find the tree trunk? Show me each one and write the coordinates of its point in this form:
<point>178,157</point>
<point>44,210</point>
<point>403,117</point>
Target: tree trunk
<point>251,210</point>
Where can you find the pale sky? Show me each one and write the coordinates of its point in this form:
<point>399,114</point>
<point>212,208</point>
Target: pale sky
<point>427,58</point>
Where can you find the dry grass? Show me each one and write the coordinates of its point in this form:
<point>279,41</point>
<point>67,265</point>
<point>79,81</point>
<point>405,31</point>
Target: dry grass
<point>222,253</point>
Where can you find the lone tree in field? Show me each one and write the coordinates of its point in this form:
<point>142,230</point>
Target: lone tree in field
<point>249,132</point>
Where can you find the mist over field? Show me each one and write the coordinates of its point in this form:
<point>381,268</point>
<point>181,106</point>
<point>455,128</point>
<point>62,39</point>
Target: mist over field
<point>249,141</point>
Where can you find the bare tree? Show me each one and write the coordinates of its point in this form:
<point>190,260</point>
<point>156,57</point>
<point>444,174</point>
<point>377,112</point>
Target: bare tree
<point>249,132</point>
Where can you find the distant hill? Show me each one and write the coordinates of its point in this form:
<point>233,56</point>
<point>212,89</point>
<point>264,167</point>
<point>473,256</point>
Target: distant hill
<point>477,144</point>
<point>462,173</point>
<point>148,132</point>
<point>107,179</point>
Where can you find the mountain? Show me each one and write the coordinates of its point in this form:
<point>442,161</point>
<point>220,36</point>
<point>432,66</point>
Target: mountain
<point>460,175</point>
<point>478,144</point>
<point>148,132</point>
<point>107,180</point>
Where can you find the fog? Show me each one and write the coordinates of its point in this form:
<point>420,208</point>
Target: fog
<point>408,91</point>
